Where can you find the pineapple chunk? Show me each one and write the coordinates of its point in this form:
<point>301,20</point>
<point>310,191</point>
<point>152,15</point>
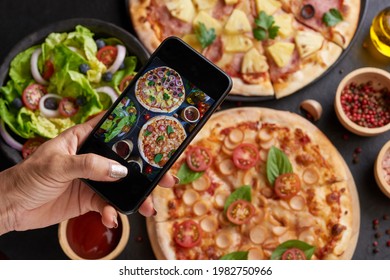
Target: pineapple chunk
<point>237,43</point>
<point>268,6</point>
<point>191,40</point>
<point>308,42</point>
<point>205,4</point>
<point>254,62</point>
<point>208,21</point>
<point>237,23</point>
<point>285,23</point>
<point>181,9</point>
<point>231,2</point>
<point>281,52</point>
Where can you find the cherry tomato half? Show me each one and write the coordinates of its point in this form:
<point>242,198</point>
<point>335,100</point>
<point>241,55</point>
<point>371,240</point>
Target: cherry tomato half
<point>68,107</point>
<point>293,254</point>
<point>187,234</point>
<point>287,185</point>
<point>48,70</point>
<point>31,145</point>
<point>198,159</point>
<point>240,211</point>
<point>245,156</point>
<point>125,82</point>
<point>107,55</point>
<point>32,94</point>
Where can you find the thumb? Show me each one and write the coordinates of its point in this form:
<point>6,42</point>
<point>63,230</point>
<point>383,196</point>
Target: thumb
<point>94,167</point>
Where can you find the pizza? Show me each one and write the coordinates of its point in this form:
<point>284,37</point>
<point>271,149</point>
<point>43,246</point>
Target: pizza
<point>268,47</point>
<point>160,90</point>
<point>159,138</point>
<point>268,186</point>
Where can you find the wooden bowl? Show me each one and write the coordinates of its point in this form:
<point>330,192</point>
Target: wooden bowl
<point>86,238</point>
<point>380,78</point>
<point>379,172</point>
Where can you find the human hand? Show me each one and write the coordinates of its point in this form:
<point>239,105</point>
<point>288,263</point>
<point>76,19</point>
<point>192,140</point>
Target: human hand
<point>44,189</point>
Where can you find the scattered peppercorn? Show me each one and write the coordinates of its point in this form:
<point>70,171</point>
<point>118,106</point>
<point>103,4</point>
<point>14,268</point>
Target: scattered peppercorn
<point>358,150</point>
<point>346,136</point>
<point>378,235</point>
<point>386,217</point>
<point>375,227</point>
<point>375,250</point>
<point>375,243</point>
<point>388,243</point>
<point>341,71</point>
<point>388,231</point>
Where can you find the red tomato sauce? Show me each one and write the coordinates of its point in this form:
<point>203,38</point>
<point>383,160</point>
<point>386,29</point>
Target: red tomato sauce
<point>89,238</point>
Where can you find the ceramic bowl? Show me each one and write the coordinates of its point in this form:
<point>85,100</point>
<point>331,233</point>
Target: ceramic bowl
<point>380,79</point>
<point>379,169</point>
<point>101,29</point>
<point>86,238</point>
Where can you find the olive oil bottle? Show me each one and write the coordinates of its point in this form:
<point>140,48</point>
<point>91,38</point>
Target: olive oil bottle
<point>380,32</point>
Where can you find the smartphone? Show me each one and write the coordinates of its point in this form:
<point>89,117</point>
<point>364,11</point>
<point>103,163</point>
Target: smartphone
<point>154,119</point>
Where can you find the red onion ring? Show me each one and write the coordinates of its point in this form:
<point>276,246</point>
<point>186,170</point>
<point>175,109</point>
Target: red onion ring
<point>34,67</point>
<point>109,91</point>
<point>118,60</point>
<point>8,138</point>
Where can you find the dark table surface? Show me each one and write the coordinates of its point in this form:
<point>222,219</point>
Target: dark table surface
<point>19,18</point>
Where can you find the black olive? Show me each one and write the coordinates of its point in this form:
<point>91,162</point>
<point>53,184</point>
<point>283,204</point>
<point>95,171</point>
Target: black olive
<point>100,43</point>
<point>307,11</point>
<point>83,68</point>
<point>17,103</point>
<point>81,100</point>
<point>51,103</point>
<point>107,76</point>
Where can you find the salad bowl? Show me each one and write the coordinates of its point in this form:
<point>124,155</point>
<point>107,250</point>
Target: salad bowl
<point>100,30</point>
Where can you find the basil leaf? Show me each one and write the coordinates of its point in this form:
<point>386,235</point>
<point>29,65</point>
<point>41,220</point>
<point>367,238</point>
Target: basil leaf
<point>332,17</point>
<point>273,31</point>
<point>277,164</point>
<point>205,36</point>
<point>260,34</point>
<point>243,193</point>
<point>169,129</point>
<point>239,255</point>
<point>306,248</point>
<point>147,133</point>
<point>158,158</point>
<point>186,175</point>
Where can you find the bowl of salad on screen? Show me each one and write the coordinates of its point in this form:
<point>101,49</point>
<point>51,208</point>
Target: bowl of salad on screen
<point>60,76</point>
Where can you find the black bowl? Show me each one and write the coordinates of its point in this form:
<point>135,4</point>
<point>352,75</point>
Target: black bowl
<point>100,28</point>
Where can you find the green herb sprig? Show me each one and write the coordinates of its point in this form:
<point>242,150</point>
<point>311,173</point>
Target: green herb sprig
<point>205,36</point>
<point>265,27</point>
<point>332,17</point>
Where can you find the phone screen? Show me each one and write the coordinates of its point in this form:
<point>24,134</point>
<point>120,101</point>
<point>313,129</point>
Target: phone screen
<point>153,119</point>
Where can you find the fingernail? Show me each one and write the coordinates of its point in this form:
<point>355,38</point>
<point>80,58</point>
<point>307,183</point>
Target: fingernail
<point>115,220</point>
<point>177,179</point>
<point>154,212</point>
<point>117,170</point>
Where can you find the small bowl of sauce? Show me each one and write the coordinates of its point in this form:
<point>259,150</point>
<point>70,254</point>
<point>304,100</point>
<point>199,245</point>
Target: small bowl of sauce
<point>382,169</point>
<point>190,114</point>
<point>86,238</point>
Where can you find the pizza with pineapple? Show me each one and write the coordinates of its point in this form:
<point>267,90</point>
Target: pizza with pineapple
<point>268,47</point>
<point>268,186</point>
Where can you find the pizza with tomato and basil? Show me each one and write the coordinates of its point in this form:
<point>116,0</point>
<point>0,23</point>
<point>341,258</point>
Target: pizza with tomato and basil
<point>268,186</point>
<point>159,138</point>
<point>160,90</point>
<point>268,47</point>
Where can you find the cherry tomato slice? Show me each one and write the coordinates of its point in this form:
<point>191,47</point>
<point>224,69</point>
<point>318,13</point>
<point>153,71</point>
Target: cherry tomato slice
<point>48,70</point>
<point>240,211</point>
<point>287,185</point>
<point>68,107</point>
<point>107,55</point>
<point>125,82</point>
<point>293,254</point>
<point>187,234</point>
<point>32,94</point>
<point>199,159</point>
<point>245,156</point>
<point>31,145</point>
